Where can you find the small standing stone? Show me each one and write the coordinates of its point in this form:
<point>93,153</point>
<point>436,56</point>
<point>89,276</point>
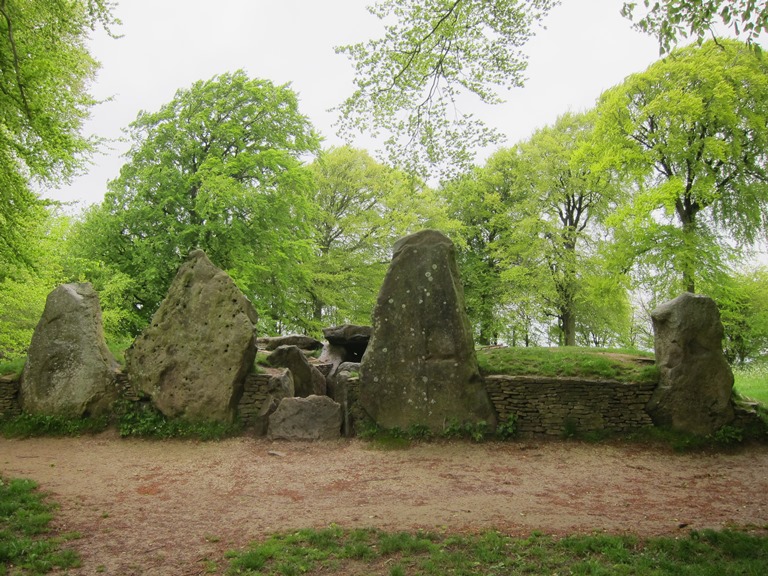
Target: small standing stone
<point>696,381</point>
<point>69,371</point>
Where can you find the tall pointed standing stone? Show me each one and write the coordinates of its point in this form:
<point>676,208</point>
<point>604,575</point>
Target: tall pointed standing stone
<point>420,365</point>
<point>193,357</point>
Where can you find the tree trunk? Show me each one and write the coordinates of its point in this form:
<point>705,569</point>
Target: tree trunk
<point>568,320</point>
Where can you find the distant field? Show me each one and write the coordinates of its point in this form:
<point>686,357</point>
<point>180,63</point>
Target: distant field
<point>752,382</point>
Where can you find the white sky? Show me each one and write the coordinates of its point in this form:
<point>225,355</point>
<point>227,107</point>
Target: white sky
<point>169,44</point>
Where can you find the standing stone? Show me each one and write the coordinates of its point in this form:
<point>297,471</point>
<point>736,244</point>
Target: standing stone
<point>694,392</point>
<point>420,365</point>
<point>193,357</point>
<point>69,371</point>
<point>311,418</point>
<point>307,379</point>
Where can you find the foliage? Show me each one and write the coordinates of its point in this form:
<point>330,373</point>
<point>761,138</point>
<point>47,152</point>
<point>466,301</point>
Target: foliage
<point>140,419</point>
<point>622,365</point>
<point>409,81</point>
<point>751,380</point>
<point>24,288</point>
<point>742,299</point>
<point>217,168</point>
<point>26,544</point>
<point>33,425</point>
<point>337,550</point>
<point>673,20</point>
<point>361,208</point>
<point>507,428</point>
<point>43,104</point>
<point>556,209</point>
<point>691,131</point>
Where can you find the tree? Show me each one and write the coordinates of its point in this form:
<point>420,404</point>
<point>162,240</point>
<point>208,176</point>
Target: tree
<point>408,82</point>
<point>692,130</point>
<point>742,299</point>
<point>45,68</point>
<point>24,287</point>
<point>558,204</point>
<point>671,20</point>
<point>217,168</point>
<point>476,200</point>
<point>361,208</point>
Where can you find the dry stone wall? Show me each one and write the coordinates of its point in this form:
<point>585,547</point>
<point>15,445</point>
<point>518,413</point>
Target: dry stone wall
<point>551,407</point>
<point>9,398</point>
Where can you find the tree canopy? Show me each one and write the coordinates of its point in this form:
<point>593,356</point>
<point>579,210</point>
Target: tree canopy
<point>672,20</point>
<point>217,168</point>
<point>45,70</point>
<point>409,81</point>
<point>692,130</point>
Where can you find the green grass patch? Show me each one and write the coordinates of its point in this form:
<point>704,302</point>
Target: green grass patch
<point>118,347</point>
<point>369,551</point>
<point>29,425</point>
<point>751,381</point>
<point>140,419</point>
<point>591,363</point>
<point>13,367</point>
<point>26,544</point>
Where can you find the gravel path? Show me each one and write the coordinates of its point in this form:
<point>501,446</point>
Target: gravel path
<point>166,508</point>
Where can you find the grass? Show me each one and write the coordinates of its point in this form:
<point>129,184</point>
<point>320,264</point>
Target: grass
<point>594,363</point>
<point>752,381</point>
<point>370,551</point>
<point>28,425</point>
<point>26,544</point>
<point>12,367</point>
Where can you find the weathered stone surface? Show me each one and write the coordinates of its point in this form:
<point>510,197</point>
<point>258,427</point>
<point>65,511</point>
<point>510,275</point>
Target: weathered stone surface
<point>311,418</point>
<point>193,357</point>
<point>307,379</point>
<point>69,371</point>
<point>303,342</point>
<point>420,365</point>
<point>280,387</point>
<point>694,392</point>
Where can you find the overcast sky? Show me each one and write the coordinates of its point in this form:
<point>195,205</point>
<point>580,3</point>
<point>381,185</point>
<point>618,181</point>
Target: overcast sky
<point>587,47</point>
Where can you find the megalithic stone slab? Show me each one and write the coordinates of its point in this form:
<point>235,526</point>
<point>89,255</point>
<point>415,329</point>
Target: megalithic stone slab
<point>193,357</point>
<point>420,366</point>
<point>695,379</point>
<point>69,371</point>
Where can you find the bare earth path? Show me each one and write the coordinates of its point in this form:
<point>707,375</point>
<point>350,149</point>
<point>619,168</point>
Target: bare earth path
<point>164,508</point>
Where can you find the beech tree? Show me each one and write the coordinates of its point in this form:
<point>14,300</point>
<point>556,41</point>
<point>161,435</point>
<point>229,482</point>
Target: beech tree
<point>432,51</point>
<point>692,130</point>
<point>217,168</point>
<point>672,20</point>
<point>45,69</point>
<point>361,207</point>
<point>559,203</point>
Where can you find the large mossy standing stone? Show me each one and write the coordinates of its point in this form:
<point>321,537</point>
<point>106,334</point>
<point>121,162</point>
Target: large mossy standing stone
<point>193,357</point>
<point>69,371</point>
<point>420,366</point>
<point>695,379</point>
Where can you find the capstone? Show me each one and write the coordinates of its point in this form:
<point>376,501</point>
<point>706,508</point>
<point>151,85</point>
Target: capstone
<point>696,381</point>
<point>420,366</point>
<point>69,371</point>
<point>193,357</point>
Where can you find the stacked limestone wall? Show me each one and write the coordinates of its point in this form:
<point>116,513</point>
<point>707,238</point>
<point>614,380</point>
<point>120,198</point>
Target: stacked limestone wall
<point>255,391</point>
<point>543,406</point>
<point>9,397</point>
<point>548,406</point>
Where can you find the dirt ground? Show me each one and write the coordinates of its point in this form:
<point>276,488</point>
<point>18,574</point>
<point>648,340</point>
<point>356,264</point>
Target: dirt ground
<point>171,508</point>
